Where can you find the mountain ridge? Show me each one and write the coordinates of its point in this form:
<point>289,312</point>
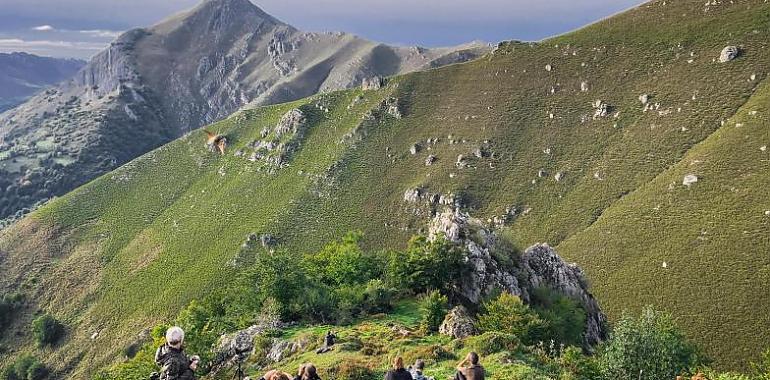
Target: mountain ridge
<point>157,83</point>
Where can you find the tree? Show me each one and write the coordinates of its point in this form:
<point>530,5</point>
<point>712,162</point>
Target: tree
<point>425,265</point>
<point>648,347</point>
<point>508,314</point>
<point>434,308</point>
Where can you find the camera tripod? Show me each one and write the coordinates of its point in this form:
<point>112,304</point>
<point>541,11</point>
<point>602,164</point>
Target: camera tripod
<point>238,375</point>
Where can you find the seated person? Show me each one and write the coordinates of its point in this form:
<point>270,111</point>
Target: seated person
<point>469,368</point>
<point>307,371</point>
<point>398,372</point>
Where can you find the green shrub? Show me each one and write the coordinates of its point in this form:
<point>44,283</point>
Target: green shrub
<point>508,315</point>
<point>431,354</point>
<point>433,306</point>
<point>564,318</point>
<point>9,304</point>
<point>351,370</point>
<point>425,265</point>
<point>492,342</point>
<point>576,366</point>
<point>25,368</point>
<point>341,262</point>
<point>378,297</point>
<point>47,330</point>
<point>648,347</point>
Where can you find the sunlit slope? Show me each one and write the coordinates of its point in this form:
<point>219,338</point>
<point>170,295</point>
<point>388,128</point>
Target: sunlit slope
<point>131,248</point>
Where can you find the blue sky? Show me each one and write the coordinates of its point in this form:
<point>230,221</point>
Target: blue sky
<point>80,28</point>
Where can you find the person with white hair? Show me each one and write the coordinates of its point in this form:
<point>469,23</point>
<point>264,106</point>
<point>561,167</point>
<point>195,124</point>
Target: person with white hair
<point>174,363</point>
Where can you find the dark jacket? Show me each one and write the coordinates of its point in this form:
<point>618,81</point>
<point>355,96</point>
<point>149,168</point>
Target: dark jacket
<point>398,374</point>
<point>298,377</point>
<point>474,372</point>
<point>174,364</point>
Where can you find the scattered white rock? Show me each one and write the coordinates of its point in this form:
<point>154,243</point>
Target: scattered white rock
<point>763,148</point>
<point>644,98</point>
<point>728,54</point>
<point>689,179</point>
<point>583,86</point>
<point>665,265</point>
<point>753,77</point>
<point>430,160</point>
<point>548,67</point>
<point>541,173</point>
<point>559,176</point>
<point>767,212</point>
<point>601,109</point>
<point>414,149</point>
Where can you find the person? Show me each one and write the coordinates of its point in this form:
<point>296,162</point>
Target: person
<point>398,372</point>
<point>275,374</point>
<point>328,343</point>
<point>174,363</point>
<point>416,370</point>
<point>307,372</point>
<point>469,368</point>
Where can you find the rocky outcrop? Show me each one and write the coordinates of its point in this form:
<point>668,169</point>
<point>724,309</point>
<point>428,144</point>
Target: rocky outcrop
<point>543,267</point>
<point>239,344</point>
<point>458,323</point>
<point>729,53</point>
<point>372,83</point>
<point>539,266</point>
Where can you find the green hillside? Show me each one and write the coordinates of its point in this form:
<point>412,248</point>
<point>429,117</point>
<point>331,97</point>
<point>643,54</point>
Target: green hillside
<point>132,248</point>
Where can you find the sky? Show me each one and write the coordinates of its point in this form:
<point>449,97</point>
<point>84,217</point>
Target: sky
<point>81,28</point>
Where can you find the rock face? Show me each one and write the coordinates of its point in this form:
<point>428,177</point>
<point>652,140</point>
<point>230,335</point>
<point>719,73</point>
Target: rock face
<point>543,267</point>
<point>164,81</point>
<point>373,83</point>
<point>539,266</point>
<point>458,323</point>
<point>729,53</point>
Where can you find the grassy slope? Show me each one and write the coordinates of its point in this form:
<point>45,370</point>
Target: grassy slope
<point>135,245</point>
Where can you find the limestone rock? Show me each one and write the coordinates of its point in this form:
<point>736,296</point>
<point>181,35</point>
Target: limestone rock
<point>584,86</point>
<point>414,149</point>
<point>559,176</point>
<point>689,179</point>
<point>430,160</point>
<point>542,267</point>
<point>644,98</point>
<point>458,324</point>
<point>729,53</point>
<point>372,83</point>
<point>282,349</point>
<point>601,109</point>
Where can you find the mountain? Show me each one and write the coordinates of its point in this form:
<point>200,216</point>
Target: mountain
<point>636,146</point>
<point>155,84</point>
<point>22,75</point>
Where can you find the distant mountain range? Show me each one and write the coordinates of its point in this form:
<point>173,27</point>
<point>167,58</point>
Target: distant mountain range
<point>155,84</point>
<point>22,75</point>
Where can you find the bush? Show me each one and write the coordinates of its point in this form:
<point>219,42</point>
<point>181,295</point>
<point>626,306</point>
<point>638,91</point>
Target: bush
<point>433,306</point>
<point>351,370</point>
<point>9,304</point>
<point>47,330</point>
<point>490,343</point>
<point>431,354</point>
<point>649,347</point>
<point>576,366</point>
<point>25,368</point>
<point>425,265</point>
<point>565,318</point>
<point>508,315</point>
<point>341,263</point>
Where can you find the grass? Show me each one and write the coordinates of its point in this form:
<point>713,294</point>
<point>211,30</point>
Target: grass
<point>130,249</point>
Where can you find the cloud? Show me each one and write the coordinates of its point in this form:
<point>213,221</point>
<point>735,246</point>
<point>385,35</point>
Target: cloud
<point>17,43</point>
<point>101,33</point>
<point>44,28</point>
